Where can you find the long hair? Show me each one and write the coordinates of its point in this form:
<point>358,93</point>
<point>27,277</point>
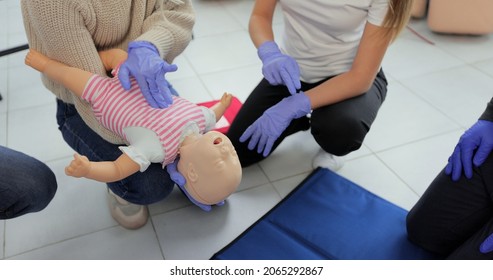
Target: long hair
<point>397,16</point>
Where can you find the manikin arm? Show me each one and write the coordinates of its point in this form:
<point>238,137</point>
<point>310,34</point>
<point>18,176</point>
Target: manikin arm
<point>103,171</point>
<point>70,77</point>
<point>112,57</point>
<point>223,104</point>
<point>75,80</point>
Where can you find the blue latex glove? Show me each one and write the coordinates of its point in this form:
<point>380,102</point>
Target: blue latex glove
<point>148,68</point>
<point>180,182</point>
<point>278,68</point>
<point>473,148</point>
<point>487,245</point>
<point>266,129</point>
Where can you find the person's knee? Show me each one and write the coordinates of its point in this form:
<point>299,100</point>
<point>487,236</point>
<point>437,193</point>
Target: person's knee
<point>145,188</point>
<point>47,189</point>
<point>412,227</point>
<point>41,190</point>
<point>339,136</point>
<point>422,233</point>
<point>28,194</point>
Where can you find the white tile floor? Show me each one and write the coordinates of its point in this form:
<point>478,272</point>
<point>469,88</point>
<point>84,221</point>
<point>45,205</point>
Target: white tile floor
<point>436,91</point>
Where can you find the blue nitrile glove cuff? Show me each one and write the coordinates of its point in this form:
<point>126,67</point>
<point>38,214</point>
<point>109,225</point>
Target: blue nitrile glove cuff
<point>267,49</point>
<point>142,44</point>
<point>300,104</point>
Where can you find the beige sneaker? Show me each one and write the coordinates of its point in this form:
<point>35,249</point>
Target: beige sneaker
<point>326,160</point>
<point>128,215</point>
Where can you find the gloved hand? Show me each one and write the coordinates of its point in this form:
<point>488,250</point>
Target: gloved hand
<point>477,141</point>
<point>266,129</point>
<point>148,68</point>
<point>278,68</point>
<point>487,245</point>
<point>180,181</point>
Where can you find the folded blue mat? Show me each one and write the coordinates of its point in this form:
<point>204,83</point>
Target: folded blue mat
<point>327,217</point>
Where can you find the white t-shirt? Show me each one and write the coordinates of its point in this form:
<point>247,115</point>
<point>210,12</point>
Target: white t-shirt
<point>323,35</point>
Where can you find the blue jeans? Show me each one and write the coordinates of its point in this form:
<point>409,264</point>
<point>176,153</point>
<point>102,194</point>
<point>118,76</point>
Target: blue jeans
<point>26,185</point>
<point>142,188</point>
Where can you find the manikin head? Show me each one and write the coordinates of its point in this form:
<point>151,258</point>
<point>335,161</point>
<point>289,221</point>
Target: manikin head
<point>210,166</point>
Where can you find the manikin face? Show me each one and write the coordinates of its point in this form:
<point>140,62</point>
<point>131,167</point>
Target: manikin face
<point>216,151</point>
<point>211,167</point>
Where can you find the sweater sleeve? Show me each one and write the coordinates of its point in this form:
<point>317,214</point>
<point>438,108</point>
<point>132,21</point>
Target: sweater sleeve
<point>169,27</point>
<point>60,29</point>
<point>488,113</point>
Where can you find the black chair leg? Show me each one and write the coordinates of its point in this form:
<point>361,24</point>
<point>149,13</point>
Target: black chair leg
<point>14,50</point>
<point>10,51</point>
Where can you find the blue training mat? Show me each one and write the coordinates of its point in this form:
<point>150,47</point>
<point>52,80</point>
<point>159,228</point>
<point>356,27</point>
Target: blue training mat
<point>327,217</point>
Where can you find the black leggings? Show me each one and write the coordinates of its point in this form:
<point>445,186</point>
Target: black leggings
<point>338,128</point>
<point>453,218</point>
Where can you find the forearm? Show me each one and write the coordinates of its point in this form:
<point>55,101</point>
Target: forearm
<point>260,24</point>
<point>111,171</point>
<point>338,88</point>
<point>220,107</point>
<point>260,31</point>
<point>104,171</point>
<point>112,57</point>
<point>72,78</point>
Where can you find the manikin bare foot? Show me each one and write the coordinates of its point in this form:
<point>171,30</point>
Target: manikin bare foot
<point>223,104</point>
<point>36,60</point>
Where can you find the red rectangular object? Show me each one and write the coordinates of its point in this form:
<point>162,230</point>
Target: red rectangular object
<point>225,122</point>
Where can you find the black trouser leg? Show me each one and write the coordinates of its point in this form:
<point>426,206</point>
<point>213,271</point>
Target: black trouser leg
<point>338,128</point>
<point>454,218</point>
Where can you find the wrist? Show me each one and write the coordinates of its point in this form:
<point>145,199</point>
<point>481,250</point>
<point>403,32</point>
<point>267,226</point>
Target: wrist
<point>142,44</point>
<point>304,102</point>
<point>484,121</point>
<point>484,125</point>
<point>267,49</point>
<point>300,104</point>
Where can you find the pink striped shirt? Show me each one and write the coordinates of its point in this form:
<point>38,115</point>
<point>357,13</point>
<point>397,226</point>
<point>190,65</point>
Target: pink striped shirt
<point>117,109</point>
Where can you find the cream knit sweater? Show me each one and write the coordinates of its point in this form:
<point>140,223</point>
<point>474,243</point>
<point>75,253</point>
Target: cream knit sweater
<point>72,31</point>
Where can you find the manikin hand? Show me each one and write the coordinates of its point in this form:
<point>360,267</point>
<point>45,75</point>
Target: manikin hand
<point>266,129</point>
<point>79,167</point>
<point>148,68</point>
<point>473,148</point>
<point>278,68</point>
<point>180,182</point>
